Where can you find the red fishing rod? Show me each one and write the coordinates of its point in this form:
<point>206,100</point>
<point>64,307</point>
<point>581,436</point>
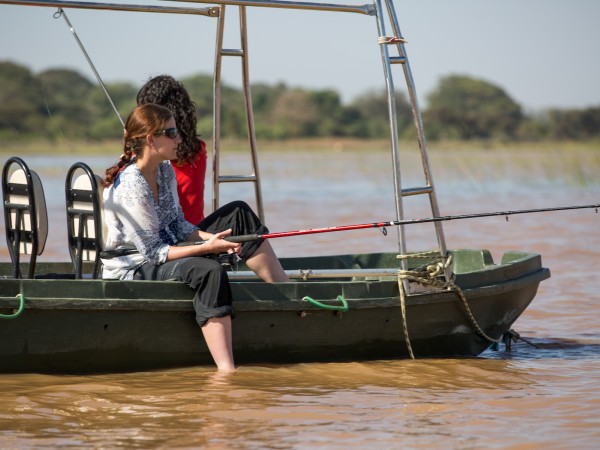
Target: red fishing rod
<point>254,237</point>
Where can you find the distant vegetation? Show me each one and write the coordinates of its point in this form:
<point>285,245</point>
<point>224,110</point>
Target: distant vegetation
<point>60,103</point>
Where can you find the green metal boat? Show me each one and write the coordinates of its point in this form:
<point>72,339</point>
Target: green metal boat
<point>60,317</point>
<point>85,325</point>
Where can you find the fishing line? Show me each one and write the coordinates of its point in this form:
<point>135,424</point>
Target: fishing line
<point>254,237</point>
<point>60,12</point>
<point>50,115</point>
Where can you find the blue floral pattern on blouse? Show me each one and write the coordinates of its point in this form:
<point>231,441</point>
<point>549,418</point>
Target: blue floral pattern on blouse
<point>134,218</point>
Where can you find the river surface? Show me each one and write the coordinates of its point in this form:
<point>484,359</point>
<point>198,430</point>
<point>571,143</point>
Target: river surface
<point>543,394</point>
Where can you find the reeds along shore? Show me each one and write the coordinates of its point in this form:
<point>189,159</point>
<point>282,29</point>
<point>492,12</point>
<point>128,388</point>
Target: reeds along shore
<point>65,146</point>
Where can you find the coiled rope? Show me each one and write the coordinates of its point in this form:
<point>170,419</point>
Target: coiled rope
<point>432,274</point>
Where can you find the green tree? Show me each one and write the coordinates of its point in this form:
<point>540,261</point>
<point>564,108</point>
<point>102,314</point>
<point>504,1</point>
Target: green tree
<point>63,102</point>
<point>574,123</point>
<point>367,116</point>
<point>65,95</point>
<point>467,108</point>
<point>293,114</point>
<point>328,105</point>
<point>20,106</point>
<point>534,127</point>
<point>200,88</point>
<point>264,98</point>
<point>106,124</point>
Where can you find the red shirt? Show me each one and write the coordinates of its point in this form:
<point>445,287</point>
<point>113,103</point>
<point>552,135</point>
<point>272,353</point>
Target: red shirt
<point>190,186</point>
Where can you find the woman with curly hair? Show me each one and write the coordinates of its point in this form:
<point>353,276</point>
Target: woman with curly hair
<point>190,169</point>
<point>190,164</point>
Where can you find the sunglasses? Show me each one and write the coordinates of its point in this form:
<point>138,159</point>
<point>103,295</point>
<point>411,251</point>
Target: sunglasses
<point>171,133</point>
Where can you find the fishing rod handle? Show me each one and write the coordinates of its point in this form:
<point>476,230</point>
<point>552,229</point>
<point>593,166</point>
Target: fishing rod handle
<point>237,239</point>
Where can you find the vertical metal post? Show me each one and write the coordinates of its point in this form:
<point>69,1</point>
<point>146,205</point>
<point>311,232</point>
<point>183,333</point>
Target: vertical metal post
<point>418,122</point>
<point>251,133</point>
<point>393,125</point>
<point>250,114</point>
<point>217,107</point>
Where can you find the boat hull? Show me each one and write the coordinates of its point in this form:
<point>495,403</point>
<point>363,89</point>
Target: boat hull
<point>83,326</point>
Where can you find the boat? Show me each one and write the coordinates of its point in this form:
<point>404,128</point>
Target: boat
<point>78,326</point>
<point>61,317</point>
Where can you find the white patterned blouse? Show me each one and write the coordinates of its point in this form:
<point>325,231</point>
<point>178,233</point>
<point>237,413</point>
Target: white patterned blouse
<point>135,219</point>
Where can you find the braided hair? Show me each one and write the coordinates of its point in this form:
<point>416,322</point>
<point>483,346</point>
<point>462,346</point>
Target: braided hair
<point>167,91</point>
<point>143,121</point>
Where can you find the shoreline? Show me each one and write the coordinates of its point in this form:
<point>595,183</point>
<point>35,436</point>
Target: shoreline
<point>81,147</point>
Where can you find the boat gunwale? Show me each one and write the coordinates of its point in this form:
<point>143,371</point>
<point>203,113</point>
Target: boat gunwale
<point>250,304</point>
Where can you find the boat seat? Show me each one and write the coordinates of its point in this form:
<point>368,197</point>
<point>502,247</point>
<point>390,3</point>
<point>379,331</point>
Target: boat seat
<point>25,215</point>
<point>85,221</point>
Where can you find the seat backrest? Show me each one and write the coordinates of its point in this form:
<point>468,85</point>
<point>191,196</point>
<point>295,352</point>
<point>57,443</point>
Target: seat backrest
<point>85,221</point>
<point>25,215</point>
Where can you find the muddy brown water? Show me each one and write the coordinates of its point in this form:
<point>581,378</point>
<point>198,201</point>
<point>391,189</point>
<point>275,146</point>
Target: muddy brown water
<point>545,396</point>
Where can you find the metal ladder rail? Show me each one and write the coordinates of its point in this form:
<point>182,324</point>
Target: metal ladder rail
<point>402,59</point>
<point>242,53</point>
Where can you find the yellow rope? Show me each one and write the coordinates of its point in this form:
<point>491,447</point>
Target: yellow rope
<point>404,323</point>
<point>432,274</point>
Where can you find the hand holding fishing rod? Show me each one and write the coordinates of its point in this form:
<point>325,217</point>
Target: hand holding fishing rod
<point>216,244</point>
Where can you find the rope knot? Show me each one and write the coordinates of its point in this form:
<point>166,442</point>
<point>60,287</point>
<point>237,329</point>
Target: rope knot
<point>431,275</point>
<point>434,270</point>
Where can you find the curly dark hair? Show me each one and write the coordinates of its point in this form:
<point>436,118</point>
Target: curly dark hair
<point>167,91</point>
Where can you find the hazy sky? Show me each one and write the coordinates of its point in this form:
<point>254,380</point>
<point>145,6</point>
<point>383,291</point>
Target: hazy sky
<point>544,53</point>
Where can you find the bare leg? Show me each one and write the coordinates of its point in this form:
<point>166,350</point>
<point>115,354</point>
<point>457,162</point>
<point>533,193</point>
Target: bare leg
<point>217,333</point>
<point>266,265</point>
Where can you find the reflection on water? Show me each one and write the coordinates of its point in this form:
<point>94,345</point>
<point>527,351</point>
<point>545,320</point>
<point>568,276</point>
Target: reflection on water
<point>543,395</point>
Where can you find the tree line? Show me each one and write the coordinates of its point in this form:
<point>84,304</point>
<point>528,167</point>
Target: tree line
<point>60,102</point>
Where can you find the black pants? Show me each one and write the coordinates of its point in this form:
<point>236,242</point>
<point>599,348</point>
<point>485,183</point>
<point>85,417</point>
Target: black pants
<point>241,219</point>
<point>205,275</point>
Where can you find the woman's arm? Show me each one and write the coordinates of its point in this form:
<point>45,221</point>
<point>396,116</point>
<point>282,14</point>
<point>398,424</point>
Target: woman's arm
<point>215,244</point>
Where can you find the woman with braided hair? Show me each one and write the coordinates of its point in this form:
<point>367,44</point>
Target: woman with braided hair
<point>145,222</point>
<point>190,169</point>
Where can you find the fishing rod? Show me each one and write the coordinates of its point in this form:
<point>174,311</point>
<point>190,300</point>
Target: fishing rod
<point>128,250</point>
<point>254,237</point>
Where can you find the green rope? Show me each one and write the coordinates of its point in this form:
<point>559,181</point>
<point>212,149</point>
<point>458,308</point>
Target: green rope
<point>343,308</point>
<point>18,312</point>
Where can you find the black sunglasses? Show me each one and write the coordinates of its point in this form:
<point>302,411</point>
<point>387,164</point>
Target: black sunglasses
<point>168,132</point>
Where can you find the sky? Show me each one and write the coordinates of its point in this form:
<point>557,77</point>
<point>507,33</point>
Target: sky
<point>543,53</point>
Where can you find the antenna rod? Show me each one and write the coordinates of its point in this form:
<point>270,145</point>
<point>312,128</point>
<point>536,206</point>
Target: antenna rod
<point>62,13</point>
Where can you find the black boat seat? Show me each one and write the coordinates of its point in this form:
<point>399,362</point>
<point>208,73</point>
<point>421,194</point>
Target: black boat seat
<point>25,215</point>
<point>85,221</point>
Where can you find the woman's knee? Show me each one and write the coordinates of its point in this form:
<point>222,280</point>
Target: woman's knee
<point>240,204</point>
<point>199,267</point>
